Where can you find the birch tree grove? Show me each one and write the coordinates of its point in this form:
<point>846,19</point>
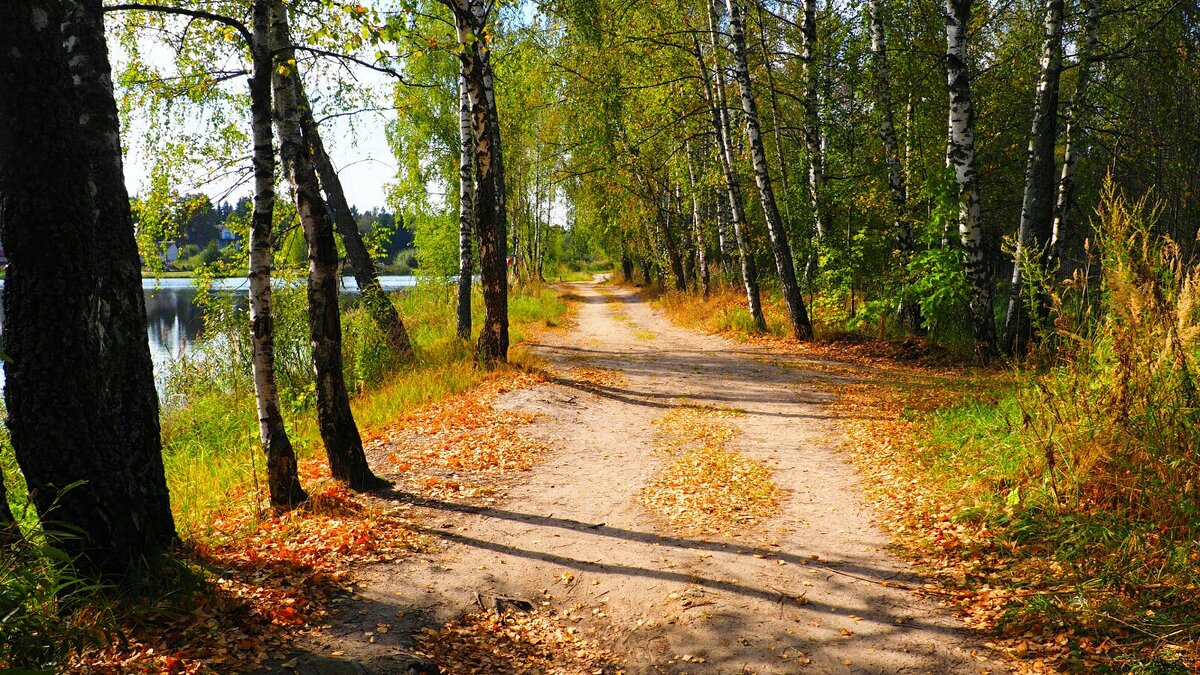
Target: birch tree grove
<point>196,393</point>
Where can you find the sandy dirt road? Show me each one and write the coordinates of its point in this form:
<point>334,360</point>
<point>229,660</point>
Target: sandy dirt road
<point>814,590</point>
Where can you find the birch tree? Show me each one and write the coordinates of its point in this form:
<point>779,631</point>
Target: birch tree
<point>466,207</point>
<point>812,119</point>
<point>1074,139</point>
<point>283,482</point>
<point>797,312</point>
<point>701,243</point>
<point>339,433</point>
<point>714,90</point>
<point>491,214</point>
<point>376,301</point>
<point>128,399</point>
<point>960,158</point>
<point>910,311</point>
<point>79,469</point>
<point>1037,204</point>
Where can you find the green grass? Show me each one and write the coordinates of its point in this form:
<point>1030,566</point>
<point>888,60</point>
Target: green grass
<point>1036,470</point>
<point>175,274</point>
<point>210,444</point>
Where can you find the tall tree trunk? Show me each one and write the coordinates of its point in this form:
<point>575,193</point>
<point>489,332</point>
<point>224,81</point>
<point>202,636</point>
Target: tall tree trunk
<point>491,217</point>
<point>339,433</point>
<point>381,308</point>
<point>283,481</point>
<point>960,157</point>
<point>1037,205</point>
<point>466,209</point>
<point>721,207</point>
<point>797,312</point>
<point>74,463</point>
<point>812,121</point>
<point>773,99</point>
<point>129,400</point>
<point>626,268</point>
<point>715,92</point>
<point>1075,141</point>
<point>910,311</point>
<point>701,242</point>
<point>668,240</point>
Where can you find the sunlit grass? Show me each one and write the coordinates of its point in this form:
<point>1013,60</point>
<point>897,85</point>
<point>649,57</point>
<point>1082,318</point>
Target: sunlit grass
<point>211,446</point>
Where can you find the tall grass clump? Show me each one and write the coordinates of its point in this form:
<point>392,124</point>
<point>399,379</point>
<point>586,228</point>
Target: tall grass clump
<point>48,612</point>
<point>1092,464</point>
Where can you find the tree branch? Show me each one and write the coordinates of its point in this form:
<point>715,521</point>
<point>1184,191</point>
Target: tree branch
<point>346,57</point>
<point>194,13</point>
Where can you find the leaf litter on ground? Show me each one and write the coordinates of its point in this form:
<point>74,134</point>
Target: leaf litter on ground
<point>707,488</point>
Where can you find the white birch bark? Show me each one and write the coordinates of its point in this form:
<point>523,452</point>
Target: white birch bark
<point>960,157</point>
<point>719,112</point>
<point>1075,142</point>
<point>784,265</point>
<point>466,208</point>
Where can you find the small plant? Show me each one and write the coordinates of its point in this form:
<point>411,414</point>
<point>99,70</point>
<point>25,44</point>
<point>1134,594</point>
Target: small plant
<point>45,616</point>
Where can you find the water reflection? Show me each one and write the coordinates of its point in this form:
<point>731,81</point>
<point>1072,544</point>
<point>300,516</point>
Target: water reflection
<point>174,321</point>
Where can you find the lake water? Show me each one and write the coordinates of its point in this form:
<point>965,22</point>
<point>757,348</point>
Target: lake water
<point>174,322</point>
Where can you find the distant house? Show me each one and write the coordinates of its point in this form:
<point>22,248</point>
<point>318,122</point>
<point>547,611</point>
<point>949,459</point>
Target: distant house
<point>171,253</point>
<point>225,236</point>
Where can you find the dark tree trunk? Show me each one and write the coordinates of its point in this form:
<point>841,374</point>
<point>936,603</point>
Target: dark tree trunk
<point>339,433</point>
<point>9,531</point>
<point>57,399</point>
<point>1037,205</point>
<point>627,268</point>
<point>910,311</point>
<point>784,264</point>
<point>668,237</point>
<point>129,400</point>
<point>647,273</point>
<point>283,482</point>
<point>373,296</point>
